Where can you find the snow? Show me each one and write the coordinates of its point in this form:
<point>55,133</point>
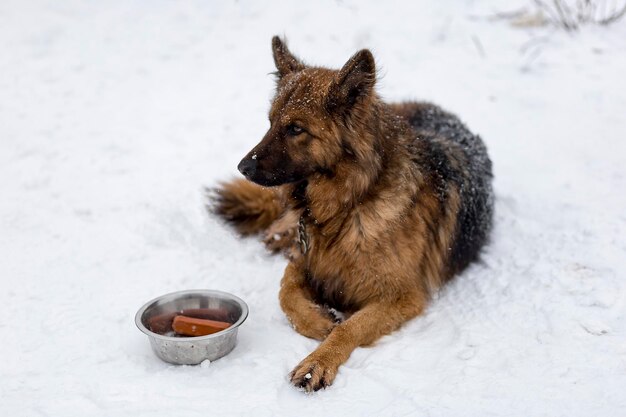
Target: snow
<point>114,115</point>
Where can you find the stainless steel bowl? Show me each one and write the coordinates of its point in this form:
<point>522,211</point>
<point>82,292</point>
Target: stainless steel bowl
<point>192,350</point>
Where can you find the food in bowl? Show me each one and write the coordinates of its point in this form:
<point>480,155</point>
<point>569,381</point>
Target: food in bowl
<point>156,319</point>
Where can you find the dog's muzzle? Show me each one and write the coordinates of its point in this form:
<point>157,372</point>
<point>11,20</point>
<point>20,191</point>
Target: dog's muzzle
<point>248,167</point>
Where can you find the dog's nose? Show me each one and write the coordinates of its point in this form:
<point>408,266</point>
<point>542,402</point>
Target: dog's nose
<point>247,167</point>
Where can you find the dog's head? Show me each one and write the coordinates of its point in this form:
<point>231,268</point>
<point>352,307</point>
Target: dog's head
<point>309,116</point>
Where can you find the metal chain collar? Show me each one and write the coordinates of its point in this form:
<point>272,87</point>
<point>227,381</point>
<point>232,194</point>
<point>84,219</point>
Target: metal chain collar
<point>303,239</point>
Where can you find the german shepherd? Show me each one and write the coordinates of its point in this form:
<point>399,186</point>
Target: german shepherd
<point>377,205</point>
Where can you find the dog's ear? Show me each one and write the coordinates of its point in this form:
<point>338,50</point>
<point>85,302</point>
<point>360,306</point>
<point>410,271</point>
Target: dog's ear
<point>355,80</point>
<point>284,59</point>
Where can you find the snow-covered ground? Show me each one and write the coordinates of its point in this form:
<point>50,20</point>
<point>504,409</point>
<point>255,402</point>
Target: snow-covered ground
<point>113,115</point>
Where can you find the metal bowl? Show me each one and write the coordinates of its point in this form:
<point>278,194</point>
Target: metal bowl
<point>192,350</point>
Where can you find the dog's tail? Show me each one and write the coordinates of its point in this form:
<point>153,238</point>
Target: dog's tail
<point>249,207</point>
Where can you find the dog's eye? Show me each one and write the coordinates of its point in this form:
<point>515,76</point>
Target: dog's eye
<point>294,130</point>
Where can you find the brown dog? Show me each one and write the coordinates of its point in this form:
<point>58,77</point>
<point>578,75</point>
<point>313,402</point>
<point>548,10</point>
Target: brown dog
<point>377,205</point>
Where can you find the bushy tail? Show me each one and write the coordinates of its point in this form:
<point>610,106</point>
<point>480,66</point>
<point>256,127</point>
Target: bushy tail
<point>249,207</point>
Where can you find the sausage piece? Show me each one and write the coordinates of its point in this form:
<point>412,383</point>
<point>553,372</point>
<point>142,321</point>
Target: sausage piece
<point>191,326</point>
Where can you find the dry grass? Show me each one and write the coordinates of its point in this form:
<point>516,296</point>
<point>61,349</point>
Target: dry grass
<point>571,14</point>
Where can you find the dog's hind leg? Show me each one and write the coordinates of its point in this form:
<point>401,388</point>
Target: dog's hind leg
<point>307,317</point>
<point>249,207</point>
<point>318,370</point>
<point>281,235</point>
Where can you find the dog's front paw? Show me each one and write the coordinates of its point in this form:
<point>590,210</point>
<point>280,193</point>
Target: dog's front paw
<point>313,374</point>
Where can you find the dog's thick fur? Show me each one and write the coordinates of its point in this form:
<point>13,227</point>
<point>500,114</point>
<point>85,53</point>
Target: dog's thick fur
<point>377,205</point>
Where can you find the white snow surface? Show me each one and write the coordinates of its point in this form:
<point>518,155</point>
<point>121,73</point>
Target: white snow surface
<point>114,115</point>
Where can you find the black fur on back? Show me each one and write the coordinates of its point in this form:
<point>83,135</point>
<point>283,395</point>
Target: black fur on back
<point>457,156</point>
